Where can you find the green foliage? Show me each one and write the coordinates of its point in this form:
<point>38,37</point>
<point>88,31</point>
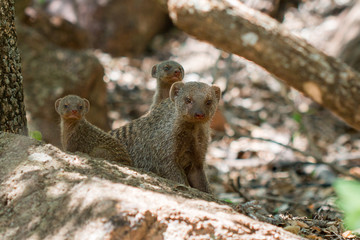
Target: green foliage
<point>297,117</point>
<point>227,200</point>
<point>36,135</point>
<point>41,2</point>
<point>349,201</point>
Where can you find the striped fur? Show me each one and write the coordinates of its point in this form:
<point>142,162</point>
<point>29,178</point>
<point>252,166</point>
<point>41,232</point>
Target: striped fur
<point>172,139</point>
<point>77,134</point>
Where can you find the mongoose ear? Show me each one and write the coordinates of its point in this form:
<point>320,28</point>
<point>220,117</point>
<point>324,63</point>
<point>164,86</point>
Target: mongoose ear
<point>217,92</point>
<point>153,71</point>
<point>86,105</point>
<point>57,105</point>
<point>174,90</point>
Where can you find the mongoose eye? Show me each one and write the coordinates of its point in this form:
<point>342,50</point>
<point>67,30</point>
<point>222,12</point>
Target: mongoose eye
<point>208,102</point>
<point>80,107</point>
<point>167,68</point>
<point>188,100</point>
<point>66,105</point>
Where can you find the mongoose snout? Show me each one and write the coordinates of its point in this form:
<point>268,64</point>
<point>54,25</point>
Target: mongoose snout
<point>199,115</point>
<point>177,73</point>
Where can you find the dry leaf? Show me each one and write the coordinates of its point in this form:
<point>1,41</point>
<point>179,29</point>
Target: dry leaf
<point>293,229</point>
<point>331,229</point>
<point>316,228</point>
<point>302,224</point>
<point>348,234</point>
<point>355,171</point>
<point>314,237</point>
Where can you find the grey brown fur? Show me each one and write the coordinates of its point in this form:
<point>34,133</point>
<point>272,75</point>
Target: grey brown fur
<point>77,134</point>
<point>172,139</point>
<point>166,73</point>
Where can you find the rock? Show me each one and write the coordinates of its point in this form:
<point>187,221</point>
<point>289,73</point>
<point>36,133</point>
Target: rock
<point>50,72</point>
<point>57,29</point>
<point>48,194</point>
<point>351,53</point>
<point>117,27</point>
<point>20,6</point>
<point>346,40</point>
<point>273,8</point>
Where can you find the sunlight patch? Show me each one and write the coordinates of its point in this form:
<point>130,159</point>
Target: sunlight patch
<point>58,189</point>
<point>249,38</point>
<point>313,91</point>
<point>39,157</point>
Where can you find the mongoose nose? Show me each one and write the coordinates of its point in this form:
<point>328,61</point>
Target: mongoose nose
<point>199,115</point>
<point>74,111</point>
<point>177,73</point>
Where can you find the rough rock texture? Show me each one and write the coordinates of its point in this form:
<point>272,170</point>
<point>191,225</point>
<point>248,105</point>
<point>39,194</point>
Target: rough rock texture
<point>348,37</point>
<point>51,72</point>
<point>274,8</point>
<point>46,193</point>
<point>57,29</point>
<point>118,27</point>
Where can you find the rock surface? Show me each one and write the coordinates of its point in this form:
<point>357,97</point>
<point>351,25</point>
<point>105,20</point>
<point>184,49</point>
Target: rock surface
<point>47,193</point>
<point>120,28</point>
<point>57,29</point>
<point>348,37</point>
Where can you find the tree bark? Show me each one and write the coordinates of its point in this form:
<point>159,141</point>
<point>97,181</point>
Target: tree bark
<point>235,28</point>
<point>12,109</point>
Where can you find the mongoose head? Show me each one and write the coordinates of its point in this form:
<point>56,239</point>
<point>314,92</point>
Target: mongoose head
<point>168,72</point>
<point>72,107</point>
<point>195,101</point>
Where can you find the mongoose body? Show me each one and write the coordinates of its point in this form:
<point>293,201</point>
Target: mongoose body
<point>172,139</point>
<point>77,134</point>
<point>166,73</point>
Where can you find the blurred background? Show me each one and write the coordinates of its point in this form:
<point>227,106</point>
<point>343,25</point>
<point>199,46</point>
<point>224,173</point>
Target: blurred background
<point>264,132</point>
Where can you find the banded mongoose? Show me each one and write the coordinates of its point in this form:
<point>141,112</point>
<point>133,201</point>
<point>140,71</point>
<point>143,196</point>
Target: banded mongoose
<point>166,73</point>
<point>77,134</point>
<point>172,139</point>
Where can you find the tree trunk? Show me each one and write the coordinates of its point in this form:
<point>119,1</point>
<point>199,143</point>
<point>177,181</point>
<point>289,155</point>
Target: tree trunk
<point>235,28</point>
<point>12,109</point>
